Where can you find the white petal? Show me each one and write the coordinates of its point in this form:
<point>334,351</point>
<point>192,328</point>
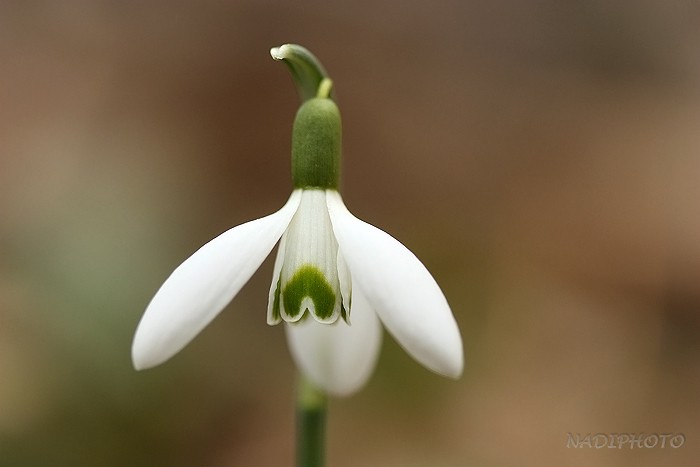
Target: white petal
<point>339,358</point>
<point>204,284</point>
<point>345,281</point>
<point>400,289</point>
<point>310,255</point>
<point>279,261</point>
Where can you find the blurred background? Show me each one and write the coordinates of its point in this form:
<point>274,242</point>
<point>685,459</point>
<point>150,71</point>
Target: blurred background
<point>542,158</point>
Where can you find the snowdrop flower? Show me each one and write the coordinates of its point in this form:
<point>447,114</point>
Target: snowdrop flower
<point>335,279</point>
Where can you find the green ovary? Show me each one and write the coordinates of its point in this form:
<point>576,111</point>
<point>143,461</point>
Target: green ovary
<point>308,281</point>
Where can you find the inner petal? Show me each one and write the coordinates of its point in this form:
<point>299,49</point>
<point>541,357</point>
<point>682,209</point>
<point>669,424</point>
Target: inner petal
<point>308,280</point>
<point>345,281</point>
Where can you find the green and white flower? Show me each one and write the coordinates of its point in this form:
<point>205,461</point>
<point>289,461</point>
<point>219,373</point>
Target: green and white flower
<point>336,278</point>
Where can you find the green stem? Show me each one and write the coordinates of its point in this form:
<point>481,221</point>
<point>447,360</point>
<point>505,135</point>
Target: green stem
<point>311,425</point>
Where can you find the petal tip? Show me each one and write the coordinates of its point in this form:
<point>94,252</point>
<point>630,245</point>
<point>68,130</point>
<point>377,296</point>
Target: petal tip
<point>139,358</point>
<point>456,370</point>
<point>145,354</point>
<point>453,360</point>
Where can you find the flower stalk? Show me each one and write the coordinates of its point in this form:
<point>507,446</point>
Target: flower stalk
<point>311,425</point>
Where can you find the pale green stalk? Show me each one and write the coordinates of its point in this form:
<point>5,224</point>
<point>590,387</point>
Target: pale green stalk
<point>311,425</point>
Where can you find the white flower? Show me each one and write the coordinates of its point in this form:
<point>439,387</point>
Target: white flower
<point>335,278</point>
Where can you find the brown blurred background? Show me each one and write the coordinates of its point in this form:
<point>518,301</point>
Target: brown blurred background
<point>541,157</point>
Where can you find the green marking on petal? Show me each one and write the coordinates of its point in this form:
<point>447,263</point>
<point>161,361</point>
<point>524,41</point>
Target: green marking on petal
<point>276,302</point>
<point>308,281</point>
<point>344,314</point>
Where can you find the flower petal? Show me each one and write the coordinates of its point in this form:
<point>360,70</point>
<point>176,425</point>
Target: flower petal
<point>309,274</point>
<point>339,358</point>
<point>204,284</point>
<point>345,281</point>
<point>273,299</point>
<point>400,289</point>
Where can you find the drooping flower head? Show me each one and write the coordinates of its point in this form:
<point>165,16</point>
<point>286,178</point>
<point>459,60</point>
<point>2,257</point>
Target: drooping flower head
<point>335,280</point>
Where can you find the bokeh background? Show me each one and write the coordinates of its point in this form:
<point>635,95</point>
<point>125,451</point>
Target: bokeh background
<point>541,157</point>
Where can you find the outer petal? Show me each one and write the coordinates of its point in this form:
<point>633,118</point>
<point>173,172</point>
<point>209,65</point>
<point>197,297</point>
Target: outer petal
<point>204,284</point>
<point>337,357</point>
<point>400,289</point>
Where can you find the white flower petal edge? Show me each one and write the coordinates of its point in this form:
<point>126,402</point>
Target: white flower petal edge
<point>279,261</point>
<point>337,357</point>
<point>204,284</point>
<point>400,290</point>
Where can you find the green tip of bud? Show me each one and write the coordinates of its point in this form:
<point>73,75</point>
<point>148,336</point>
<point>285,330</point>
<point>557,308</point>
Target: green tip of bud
<point>316,145</point>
